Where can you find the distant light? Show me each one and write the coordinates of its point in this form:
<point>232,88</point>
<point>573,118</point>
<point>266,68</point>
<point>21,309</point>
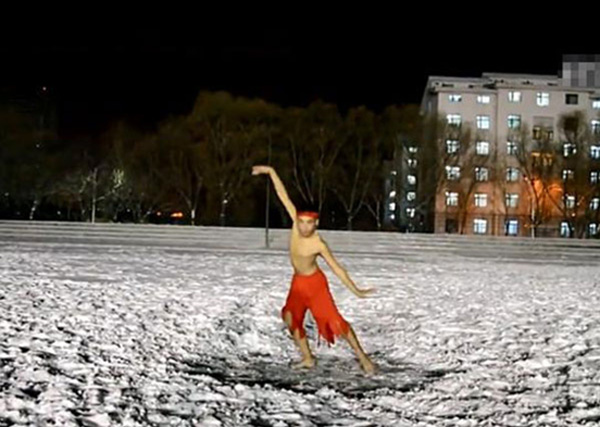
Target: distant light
<point>158,213</point>
<point>393,193</point>
<point>394,172</point>
<point>392,216</point>
<point>177,215</point>
<point>44,88</point>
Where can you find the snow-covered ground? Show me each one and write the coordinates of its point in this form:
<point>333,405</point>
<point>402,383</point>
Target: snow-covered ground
<point>131,326</point>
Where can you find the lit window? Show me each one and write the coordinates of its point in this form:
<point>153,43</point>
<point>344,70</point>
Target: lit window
<point>567,174</point>
<point>412,180</point>
<point>543,99</point>
<point>595,151</point>
<point>512,227</point>
<point>483,122</point>
<point>596,127</point>
<point>512,200</point>
<point>512,174</point>
<point>483,99</point>
<point>392,206</point>
<point>452,173</point>
<point>412,163</point>
<point>451,199</point>
<point>410,212</point>
<point>483,148</point>
<point>571,99</point>
<point>569,149</point>
<point>594,177</point>
<point>481,174</point>
<point>394,172</point>
<point>454,119</point>
<point>514,96</point>
<point>412,149</point>
<point>593,229</point>
<point>411,195</point>
<point>455,97</point>
<point>392,216</point>
<point>392,194</point>
<point>565,229</point>
<point>596,104</point>
<point>451,146</point>
<point>511,148</point>
<point>480,200</point>
<point>514,121</point>
<point>595,204</point>
<point>570,202</point>
<point>479,226</point>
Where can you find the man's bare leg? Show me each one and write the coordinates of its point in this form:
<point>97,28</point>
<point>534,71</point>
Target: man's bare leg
<point>308,360</point>
<point>364,360</point>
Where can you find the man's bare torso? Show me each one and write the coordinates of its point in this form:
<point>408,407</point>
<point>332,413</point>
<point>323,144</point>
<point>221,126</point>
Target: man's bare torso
<point>304,251</point>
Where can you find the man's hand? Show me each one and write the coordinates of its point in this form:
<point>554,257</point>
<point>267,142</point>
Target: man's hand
<point>257,170</point>
<point>279,188</point>
<point>362,293</point>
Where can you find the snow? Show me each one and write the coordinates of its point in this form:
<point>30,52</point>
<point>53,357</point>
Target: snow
<point>157,325</point>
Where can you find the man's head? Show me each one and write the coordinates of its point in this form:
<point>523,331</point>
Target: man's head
<point>308,220</point>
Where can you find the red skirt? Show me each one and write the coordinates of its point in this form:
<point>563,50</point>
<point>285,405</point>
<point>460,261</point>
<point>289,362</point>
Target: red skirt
<point>312,292</point>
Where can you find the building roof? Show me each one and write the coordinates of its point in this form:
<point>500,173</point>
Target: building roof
<point>504,80</point>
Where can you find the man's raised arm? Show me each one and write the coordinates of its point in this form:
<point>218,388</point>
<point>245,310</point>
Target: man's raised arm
<point>279,188</point>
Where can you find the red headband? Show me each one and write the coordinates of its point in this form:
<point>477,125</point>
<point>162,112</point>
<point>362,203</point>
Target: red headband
<point>311,214</point>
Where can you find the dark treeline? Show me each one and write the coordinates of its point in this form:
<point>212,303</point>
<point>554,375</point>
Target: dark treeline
<point>196,168</point>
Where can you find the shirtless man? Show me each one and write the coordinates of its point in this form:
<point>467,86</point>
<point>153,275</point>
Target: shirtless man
<point>309,288</point>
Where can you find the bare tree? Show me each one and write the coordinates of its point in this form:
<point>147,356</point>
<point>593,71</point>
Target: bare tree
<point>182,166</point>
<point>315,141</point>
<point>358,162</point>
<point>29,160</point>
<point>376,197</point>
<point>235,131</point>
<point>474,169</point>
<point>432,159</point>
<point>575,166</point>
<point>454,169</point>
<point>536,162</point>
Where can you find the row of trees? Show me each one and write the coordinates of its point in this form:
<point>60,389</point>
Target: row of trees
<point>199,164</point>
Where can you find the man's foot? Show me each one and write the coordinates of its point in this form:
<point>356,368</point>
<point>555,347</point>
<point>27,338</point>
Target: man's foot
<point>367,366</point>
<point>305,364</point>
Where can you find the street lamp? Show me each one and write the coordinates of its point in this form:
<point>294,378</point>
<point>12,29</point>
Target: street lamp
<point>267,207</point>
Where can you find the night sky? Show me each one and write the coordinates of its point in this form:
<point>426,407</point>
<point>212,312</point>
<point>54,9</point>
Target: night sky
<point>144,72</point>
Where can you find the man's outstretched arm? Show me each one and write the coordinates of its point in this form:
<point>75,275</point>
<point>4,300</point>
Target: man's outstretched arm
<point>340,271</point>
<point>279,188</point>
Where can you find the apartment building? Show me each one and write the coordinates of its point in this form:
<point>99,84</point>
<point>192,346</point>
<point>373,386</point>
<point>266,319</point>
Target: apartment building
<point>488,187</point>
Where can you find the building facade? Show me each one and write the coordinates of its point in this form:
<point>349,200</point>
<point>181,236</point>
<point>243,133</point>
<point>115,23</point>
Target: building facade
<point>496,180</point>
<point>400,210</point>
